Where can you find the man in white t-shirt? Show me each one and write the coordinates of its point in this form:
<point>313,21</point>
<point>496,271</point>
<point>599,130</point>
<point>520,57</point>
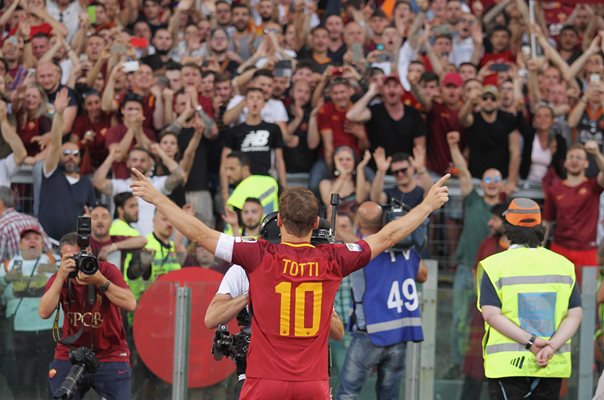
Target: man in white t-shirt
<point>140,159</point>
<point>273,111</point>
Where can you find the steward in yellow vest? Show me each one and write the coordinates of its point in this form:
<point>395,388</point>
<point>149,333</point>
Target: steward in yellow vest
<point>531,307</point>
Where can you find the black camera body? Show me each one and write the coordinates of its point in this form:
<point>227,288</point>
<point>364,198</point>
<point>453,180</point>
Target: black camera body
<point>85,261</point>
<point>84,362</point>
<point>234,346</point>
<point>395,210</point>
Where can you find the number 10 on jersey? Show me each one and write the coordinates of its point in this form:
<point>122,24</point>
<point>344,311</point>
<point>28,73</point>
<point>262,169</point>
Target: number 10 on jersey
<point>284,289</point>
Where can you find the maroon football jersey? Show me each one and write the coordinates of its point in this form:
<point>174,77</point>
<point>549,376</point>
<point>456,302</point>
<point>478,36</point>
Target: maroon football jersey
<point>103,318</point>
<point>292,289</point>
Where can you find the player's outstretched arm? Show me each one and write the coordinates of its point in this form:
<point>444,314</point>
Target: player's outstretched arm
<point>396,230</point>
<point>184,222</point>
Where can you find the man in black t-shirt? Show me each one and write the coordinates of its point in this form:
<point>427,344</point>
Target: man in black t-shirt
<point>492,136</point>
<point>257,139</point>
<point>391,125</point>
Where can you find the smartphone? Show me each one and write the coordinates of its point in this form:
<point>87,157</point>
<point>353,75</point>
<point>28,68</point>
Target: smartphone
<point>283,64</point>
<point>357,52</point>
<point>83,58</point>
<point>380,47</point>
<point>117,48</point>
<point>91,10</point>
<point>18,265</point>
<point>384,58</point>
<point>131,66</point>
<point>499,67</point>
<point>594,78</point>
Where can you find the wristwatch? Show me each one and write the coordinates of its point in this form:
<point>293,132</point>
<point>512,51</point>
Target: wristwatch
<point>528,346</point>
<point>105,286</point>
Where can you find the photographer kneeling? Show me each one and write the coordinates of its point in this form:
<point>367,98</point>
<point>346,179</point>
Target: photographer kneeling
<point>92,324</point>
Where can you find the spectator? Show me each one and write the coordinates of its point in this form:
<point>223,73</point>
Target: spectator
<point>257,138</point>
<point>129,134</point>
<point>493,137</point>
<point>160,61</point>
<point>404,167</point>
<point>348,182</point>
<point>543,148</point>
<point>103,243</point>
<point>390,124</point>
<point>242,41</point>
<point>22,282</point>
<point>90,131</point>
<point>9,164</point>
<point>300,153</point>
<point>572,205</point>
<point>48,75</point>
<point>140,159</point>
<point>126,214</point>
<point>33,124</point>
<point>11,225</point>
<point>477,211</point>
<point>61,179</point>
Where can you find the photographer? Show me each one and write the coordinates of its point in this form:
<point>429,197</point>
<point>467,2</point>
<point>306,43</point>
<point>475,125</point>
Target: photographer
<point>385,313</point>
<point>98,326</point>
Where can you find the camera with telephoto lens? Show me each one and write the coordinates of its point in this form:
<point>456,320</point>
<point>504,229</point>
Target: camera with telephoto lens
<point>84,362</point>
<point>234,346</point>
<point>85,261</point>
<point>395,210</point>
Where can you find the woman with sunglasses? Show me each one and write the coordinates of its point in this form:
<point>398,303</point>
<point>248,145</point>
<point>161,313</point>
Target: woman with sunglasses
<point>348,181</point>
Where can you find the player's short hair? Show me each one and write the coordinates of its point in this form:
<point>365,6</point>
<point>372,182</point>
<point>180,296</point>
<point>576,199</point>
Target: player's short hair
<point>299,210</point>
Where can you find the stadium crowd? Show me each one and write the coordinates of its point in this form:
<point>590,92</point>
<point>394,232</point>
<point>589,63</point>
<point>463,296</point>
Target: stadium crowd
<point>222,104</point>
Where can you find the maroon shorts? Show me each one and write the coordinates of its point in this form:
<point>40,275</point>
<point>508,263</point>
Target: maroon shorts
<point>270,389</point>
<point>581,258</point>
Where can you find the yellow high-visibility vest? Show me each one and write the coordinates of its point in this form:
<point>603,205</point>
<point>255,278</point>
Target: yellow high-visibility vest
<point>534,286</point>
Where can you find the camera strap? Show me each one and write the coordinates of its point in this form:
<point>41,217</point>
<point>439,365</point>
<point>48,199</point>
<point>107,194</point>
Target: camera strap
<point>56,334</point>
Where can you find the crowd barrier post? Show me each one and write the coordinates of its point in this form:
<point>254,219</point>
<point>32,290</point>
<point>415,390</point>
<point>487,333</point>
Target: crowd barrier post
<point>586,335</point>
<point>181,342</point>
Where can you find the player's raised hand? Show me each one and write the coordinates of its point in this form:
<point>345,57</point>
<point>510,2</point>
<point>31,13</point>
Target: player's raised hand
<point>438,194</point>
<point>142,187</point>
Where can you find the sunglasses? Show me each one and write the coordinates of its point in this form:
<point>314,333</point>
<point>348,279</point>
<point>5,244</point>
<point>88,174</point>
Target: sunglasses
<point>400,171</point>
<point>74,153</point>
<point>489,179</point>
<point>489,96</point>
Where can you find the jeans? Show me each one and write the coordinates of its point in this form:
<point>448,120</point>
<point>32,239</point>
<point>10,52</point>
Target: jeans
<point>463,292</point>
<point>362,357</point>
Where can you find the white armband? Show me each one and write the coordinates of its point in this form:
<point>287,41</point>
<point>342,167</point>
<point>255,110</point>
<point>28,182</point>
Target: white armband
<point>224,247</point>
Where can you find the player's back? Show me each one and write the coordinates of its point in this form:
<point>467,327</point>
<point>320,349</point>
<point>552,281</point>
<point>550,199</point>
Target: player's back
<point>292,289</point>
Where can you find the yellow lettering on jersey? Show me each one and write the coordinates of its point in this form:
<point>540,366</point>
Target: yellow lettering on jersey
<point>306,269</point>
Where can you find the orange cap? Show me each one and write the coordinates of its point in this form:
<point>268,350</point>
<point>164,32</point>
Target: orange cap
<point>523,212</point>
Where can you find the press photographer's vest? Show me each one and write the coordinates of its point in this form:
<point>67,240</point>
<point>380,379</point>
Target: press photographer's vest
<point>164,261</point>
<point>121,228</point>
<point>388,299</point>
<point>534,286</point>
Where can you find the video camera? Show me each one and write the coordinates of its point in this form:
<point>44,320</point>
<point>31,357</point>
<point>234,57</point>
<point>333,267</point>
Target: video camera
<point>234,346</point>
<point>394,211</point>
<point>85,262</point>
<point>84,362</point>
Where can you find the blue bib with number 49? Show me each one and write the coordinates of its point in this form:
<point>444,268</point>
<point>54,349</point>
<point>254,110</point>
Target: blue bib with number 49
<point>390,302</point>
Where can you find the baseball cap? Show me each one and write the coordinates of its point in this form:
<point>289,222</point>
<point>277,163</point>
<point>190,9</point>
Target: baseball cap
<point>523,212</point>
<point>453,78</point>
<point>392,77</point>
<point>31,228</point>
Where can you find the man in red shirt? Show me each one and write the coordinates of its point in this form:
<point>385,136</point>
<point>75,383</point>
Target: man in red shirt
<point>99,326</point>
<point>292,285</point>
<point>573,205</point>
<point>336,130</point>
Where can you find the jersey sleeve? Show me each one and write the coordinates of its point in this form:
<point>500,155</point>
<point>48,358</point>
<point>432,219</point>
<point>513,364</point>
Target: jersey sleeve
<point>277,137</point>
<point>323,119</point>
<point>247,252</point>
<point>352,256</point>
<point>235,282</point>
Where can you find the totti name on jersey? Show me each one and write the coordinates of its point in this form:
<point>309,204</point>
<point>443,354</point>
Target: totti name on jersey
<point>300,269</point>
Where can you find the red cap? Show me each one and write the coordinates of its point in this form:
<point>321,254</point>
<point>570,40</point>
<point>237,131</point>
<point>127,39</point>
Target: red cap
<point>453,78</point>
<point>393,77</point>
<point>31,228</point>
